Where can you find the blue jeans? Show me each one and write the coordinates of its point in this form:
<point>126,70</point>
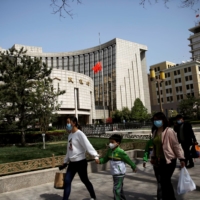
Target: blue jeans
<point>81,168</point>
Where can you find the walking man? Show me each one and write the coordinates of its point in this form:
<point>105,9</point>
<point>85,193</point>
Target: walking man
<point>186,138</point>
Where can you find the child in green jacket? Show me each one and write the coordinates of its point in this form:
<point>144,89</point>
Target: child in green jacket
<point>118,158</point>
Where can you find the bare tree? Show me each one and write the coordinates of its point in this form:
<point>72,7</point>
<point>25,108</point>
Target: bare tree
<point>183,3</point>
<point>60,6</point>
<point>64,6</point>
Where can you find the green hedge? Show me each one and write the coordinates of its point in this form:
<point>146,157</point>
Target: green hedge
<point>32,137</point>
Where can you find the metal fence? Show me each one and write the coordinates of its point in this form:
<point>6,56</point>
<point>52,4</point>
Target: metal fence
<point>99,129</point>
<point>54,161</point>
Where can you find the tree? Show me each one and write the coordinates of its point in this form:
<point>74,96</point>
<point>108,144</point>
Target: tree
<point>60,6</point>
<point>138,111</point>
<point>183,3</point>
<point>46,103</point>
<point>190,106</point>
<point>116,115</point>
<point>126,114</point>
<point>20,77</point>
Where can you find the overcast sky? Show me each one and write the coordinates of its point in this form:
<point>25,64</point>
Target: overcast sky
<point>163,30</point>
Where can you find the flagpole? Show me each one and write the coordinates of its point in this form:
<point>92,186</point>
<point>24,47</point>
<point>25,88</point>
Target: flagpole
<point>102,81</point>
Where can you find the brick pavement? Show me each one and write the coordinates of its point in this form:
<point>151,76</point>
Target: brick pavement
<point>139,186</point>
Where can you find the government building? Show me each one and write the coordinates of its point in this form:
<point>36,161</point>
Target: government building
<point>124,78</point>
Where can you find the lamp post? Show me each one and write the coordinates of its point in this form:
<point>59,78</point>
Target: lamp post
<point>43,137</point>
<point>158,81</point>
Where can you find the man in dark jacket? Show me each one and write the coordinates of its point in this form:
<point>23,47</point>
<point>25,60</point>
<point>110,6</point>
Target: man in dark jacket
<point>186,138</point>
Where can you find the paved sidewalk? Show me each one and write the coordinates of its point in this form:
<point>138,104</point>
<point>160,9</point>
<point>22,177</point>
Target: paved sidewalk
<point>139,186</point>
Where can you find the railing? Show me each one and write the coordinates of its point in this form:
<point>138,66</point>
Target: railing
<point>102,128</point>
<point>54,161</point>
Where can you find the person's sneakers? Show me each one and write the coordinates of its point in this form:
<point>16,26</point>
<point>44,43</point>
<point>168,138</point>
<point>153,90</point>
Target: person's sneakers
<point>189,166</point>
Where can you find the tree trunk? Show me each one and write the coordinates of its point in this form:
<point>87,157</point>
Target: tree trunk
<point>23,140</point>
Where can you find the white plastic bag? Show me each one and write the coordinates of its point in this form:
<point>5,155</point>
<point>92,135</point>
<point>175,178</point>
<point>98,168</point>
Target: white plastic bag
<point>185,183</point>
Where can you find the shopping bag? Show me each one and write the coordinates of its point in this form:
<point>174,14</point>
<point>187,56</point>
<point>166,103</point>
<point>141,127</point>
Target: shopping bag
<point>185,183</point>
<point>59,180</point>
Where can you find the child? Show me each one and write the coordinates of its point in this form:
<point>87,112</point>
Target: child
<point>117,158</point>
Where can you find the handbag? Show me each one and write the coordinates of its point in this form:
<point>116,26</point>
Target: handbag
<point>195,151</point>
<point>59,180</point>
<point>185,183</point>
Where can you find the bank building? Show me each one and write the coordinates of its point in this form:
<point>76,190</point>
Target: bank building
<point>124,78</point>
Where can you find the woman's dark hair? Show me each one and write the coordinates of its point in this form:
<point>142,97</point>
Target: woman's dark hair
<point>161,116</point>
<point>75,121</point>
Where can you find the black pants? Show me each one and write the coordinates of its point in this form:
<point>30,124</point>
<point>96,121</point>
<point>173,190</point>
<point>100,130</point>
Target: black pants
<point>188,157</point>
<point>81,168</point>
<point>157,175</point>
<point>166,171</point>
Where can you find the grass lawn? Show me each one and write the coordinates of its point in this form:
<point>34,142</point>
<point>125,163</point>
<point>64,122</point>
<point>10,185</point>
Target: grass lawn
<point>17,153</point>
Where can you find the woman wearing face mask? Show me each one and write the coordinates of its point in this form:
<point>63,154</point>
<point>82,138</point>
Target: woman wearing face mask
<point>166,150</point>
<point>77,146</point>
<point>68,126</point>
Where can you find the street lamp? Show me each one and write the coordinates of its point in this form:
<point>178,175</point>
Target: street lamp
<point>158,81</point>
<point>43,137</point>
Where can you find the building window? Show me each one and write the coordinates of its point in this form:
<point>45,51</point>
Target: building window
<point>177,89</point>
<point>158,68</point>
<point>189,69</point>
<point>166,83</point>
<point>166,90</point>
<point>185,70</point>
<point>174,73</point>
<point>177,97</point>
<point>167,98</point>
<point>186,78</point>
<point>155,69</point>
<point>190,77</point>
<point>175,80</point>
<point>179,80</point>
<point>191,86</point>
<point>179,72</point>
<point>180,88</point>
<point>188,87</point>
<point>170,90</point>
<point>171,98</point>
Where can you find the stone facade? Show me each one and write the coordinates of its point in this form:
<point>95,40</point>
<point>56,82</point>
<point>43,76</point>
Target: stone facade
<point>79,93</point>
<point>124,72</point>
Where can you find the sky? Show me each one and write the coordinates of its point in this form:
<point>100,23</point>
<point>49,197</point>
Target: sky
<point>164,30</point>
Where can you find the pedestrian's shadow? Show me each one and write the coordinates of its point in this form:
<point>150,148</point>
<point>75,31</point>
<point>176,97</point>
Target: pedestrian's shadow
<point>51,196</point>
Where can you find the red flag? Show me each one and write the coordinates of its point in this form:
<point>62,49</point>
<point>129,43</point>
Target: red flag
<point>197,15</point>
<point>97,67</point>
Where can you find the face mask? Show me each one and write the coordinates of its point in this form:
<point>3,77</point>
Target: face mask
<point>179,122</point>
<point>112,146</point>
<point>69,127</point>
<point>158,123</point>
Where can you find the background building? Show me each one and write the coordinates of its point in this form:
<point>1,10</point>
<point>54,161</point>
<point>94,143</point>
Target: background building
<point>124,72</point>
<point>195,42</point>
<point>180,80</point>
<point>78,99</point>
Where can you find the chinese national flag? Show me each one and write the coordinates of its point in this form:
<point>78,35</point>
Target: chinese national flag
<point>97,67</point>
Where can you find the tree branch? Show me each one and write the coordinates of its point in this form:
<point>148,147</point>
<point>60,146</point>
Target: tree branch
<point>62,5</point>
